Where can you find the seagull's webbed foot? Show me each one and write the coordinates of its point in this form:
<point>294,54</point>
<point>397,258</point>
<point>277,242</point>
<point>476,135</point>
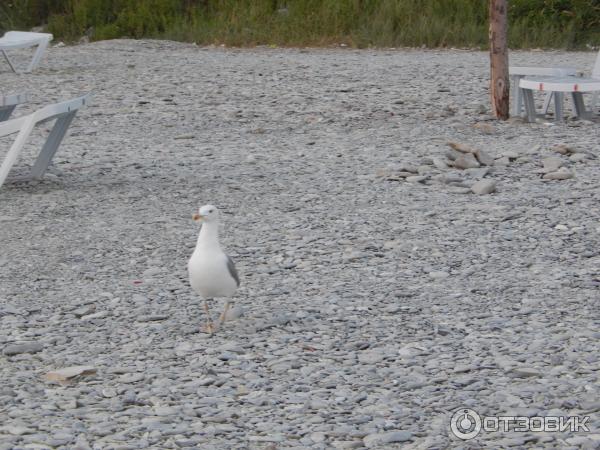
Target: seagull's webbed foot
<point>209,327</point>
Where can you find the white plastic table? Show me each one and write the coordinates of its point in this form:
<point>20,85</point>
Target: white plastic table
<point>516,73</point>
<point>559,85</point>
<point>25,39</point>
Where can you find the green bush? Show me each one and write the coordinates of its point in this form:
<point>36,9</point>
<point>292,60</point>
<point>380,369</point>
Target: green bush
<point>360,23</point>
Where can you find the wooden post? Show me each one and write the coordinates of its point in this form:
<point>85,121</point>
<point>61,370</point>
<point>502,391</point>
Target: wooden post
<point>499,82</point>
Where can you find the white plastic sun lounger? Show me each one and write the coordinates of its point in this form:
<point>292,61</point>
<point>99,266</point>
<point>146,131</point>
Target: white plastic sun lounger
<point>63,113</point>
<point>568,83</point>
<point>516,73</point>
<point>576,86</point>
<point>8,103</point>
<point>25,39</point>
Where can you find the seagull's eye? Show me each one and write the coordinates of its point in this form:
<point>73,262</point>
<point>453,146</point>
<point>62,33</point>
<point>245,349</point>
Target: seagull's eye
<point>210,212</point>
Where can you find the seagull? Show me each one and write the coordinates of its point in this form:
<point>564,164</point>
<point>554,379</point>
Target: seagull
<point>212,273</point>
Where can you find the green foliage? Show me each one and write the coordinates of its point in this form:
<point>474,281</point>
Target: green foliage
<point>564,23</point>
<point>360,23</point>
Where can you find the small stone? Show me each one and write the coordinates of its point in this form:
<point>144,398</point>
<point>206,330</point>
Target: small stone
<point>467,161</point>
<point>273,322</point>
<point>377,440</point>
<point>8,309</point>
<point>227,356</point>
<point>18,430</point>
<point>407,168</point>
<point>184,136</point>
<point>232,347</point>
<point>68,405</point>
<point>152,318</point>
<point>463,148</point>
<point>450,179</point>
<point>69,373</point>
<point>275,437</point>
<point>131,377</point>
<point>561,174</point>
<point>370,357</point>
<point>452,155</point>
<point>318,437</point>
<point>27,347</point>
<point>483,187</point>
<point>578,157</point>
<point>318,403</point>
<point>404,174</point>
<point>84,310</point>
<point>590,406</point>
<point>585,441</point>
<point>511,154</point>
<point>503,161</point>
<point>395,176</point>
<point>552,164</point>
<point>440,164</point>
<point>234,313</point>
<point>206,381</point>
<point>342,445</point>
<point>423,169</point>
<point>477,173</point>
<point>525,372</point>
<point>439,275</point>
<point>109,393</point>
<point>137,298</point>
<point>481,109</point>
<point>564,149</point>
<point>151,271</point>
<point>97,315</point>
<point>163,411</point>
<point>81,443</point>
<point>483,158</point>
<point>416,179</point>
<point>129,398</point>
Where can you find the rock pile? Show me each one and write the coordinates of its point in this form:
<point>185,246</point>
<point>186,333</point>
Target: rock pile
<point>472,165</point>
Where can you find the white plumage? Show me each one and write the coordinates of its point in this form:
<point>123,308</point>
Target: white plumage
<point>212,273</point>
<point>209,275</point>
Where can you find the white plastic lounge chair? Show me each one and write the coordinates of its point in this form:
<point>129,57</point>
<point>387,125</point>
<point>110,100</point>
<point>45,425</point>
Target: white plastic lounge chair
<point>63,113</point>
<point>573,85</point>
<point>516,73</point>
<point>571,81</point>
<point>8,103</point>
<point>25,39</point>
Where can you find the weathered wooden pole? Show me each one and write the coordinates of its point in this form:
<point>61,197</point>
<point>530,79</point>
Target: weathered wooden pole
<point>499,82</point>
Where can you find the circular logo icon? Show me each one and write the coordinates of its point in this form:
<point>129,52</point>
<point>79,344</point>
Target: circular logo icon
<point>465,424</point>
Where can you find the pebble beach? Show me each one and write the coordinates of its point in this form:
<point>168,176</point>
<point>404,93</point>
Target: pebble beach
<point>402,254</point>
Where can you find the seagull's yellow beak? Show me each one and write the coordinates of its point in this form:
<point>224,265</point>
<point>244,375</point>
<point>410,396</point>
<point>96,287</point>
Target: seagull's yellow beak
<point>197,218</point>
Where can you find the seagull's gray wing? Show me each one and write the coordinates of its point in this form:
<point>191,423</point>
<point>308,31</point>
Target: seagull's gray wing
<point>232,270</point>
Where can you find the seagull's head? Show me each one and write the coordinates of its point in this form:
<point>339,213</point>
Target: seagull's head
<point>207,213</point>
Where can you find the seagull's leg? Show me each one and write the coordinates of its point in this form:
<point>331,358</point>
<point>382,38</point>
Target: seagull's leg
<point>209,325</point>
<point>224,313</point>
